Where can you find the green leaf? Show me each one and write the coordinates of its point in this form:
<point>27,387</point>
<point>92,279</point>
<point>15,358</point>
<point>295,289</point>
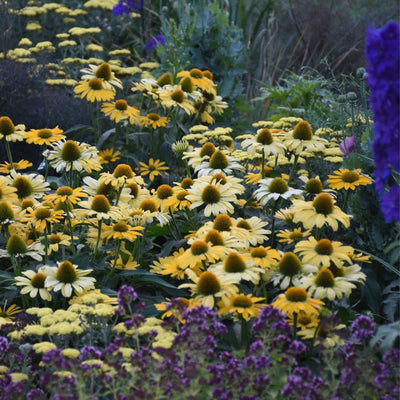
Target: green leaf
<point>104,137</point>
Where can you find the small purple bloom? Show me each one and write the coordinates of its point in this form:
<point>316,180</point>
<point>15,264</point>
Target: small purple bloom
<point>127,6</point>
<point>126,295</point>
<point>362,327</point>
<point>3,344</point>
<point>347,145</point>
<point>156,40</point>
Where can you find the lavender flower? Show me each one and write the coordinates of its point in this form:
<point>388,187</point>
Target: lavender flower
<point>362,327</point>
<point>383,56</point>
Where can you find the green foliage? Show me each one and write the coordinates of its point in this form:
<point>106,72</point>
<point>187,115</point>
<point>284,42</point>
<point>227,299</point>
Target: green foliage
<point>203,37</point>
<point>387,336</point>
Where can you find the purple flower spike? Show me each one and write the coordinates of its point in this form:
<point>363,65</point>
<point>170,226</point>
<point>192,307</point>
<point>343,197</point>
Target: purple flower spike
<point>347,145</point>
<point>383,56</point>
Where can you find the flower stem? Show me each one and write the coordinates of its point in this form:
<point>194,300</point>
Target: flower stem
<point>98,238</point>
<point>9,154</point>
<point>263,164</point>
<point>296,158</point>
<point>346,199</point>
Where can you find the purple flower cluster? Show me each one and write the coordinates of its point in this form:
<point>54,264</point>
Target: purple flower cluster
<point>362,328</point>
<point>303,385</point>
<point>3,344</point>
<point>383,56</point>
<point>126,294</point>
<point>127,6</point>
<point>9,389</point>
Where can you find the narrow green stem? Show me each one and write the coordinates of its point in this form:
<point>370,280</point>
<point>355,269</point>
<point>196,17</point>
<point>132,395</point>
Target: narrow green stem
<point>115,259</point>
<point>295,326</point>
<point>263,164</point>
<point>71,232</point>
<point>346,199</point>
<point>46,245</point>
<point>98,238</point>
<point>9,154</point>
<point>244,333</point>
<point>118,194</point>
<point>296,158</point>
<point>187,169</point>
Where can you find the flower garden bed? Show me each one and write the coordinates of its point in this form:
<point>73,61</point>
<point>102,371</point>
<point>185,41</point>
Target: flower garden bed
<point>157,249</point>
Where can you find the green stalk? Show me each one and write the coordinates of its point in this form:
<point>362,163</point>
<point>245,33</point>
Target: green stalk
<point>71,232</point>
<point>9,154</point>
<point>98,238</point>
<point>263,164</point>
<point>46,245</point>
<point>346,199</point>
<point>187,168</point>
<point>296,158</point>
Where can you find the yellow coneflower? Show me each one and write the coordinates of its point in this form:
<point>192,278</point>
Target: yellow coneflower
<point>42,218</point>
<point>67,277</point>
<point>33,283</point>
<point>325,285</point>
<point>322,252</point>
<point>121,231</point>
<point>67,155</point>
<point>207,287</point>
<point>104,73</point>
<point>10,132</point>
<point>7,313</point>
<point>319,212</point>
<point>176,97</point>
<point>44,136</point>
<point>153,168</point>
<point>201,252</point>
<point>296,300</point>
<point>6,167</point>
<point>302,138</point>
<point>94,90</point>
<point>200,79</point>
<point>245,306</point>
<point>29,186</point>
<point>348,179</point>
<point>107,156</point>
<point>242,268</point>
<point>154,120</point>
<point>293,236</point>
<point>120,110</point>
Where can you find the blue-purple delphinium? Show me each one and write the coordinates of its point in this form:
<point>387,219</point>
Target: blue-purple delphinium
<point>156,40</point>
<point>383,57</point>
<point>127,6</point>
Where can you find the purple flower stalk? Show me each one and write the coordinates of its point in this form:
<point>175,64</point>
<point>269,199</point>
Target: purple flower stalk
<point>383,56</point>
